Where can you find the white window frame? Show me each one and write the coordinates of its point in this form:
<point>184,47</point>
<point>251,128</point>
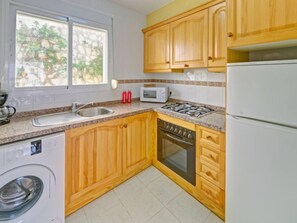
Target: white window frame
<point>69,20</point>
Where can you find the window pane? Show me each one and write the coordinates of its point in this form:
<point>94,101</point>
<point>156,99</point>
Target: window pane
<point>41,52</point>
<point>89,55</point>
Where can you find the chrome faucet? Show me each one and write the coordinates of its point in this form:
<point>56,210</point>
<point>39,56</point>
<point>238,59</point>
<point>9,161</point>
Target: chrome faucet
<point>75,109</point>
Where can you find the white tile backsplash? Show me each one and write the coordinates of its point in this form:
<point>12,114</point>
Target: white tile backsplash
<point>196,93</point>
<point>33,101</point>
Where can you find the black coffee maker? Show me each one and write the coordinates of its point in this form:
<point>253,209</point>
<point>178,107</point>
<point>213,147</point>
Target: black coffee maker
<point>6,112</point>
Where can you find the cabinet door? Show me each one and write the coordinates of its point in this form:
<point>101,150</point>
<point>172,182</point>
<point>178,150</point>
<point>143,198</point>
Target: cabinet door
<point>255,22</point>
<point>217,50</point>
<point>156,49</point>
<point>189,41</point>
<point>93,161</point>
<point>137,150</point>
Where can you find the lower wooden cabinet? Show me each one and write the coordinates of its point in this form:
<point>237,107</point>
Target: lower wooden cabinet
<point>101,156</point>
<point>93,161</point>
<point>136,151</point>
<point>210,169</point>
<point>210,165</point>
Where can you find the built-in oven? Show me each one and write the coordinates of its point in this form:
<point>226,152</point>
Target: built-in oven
<point>176,149</point>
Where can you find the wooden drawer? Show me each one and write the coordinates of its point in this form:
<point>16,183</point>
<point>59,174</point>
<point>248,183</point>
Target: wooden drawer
<point>212,156</point>
<point>212,192</point>
<point>213,175</point>
<point>212,138</point>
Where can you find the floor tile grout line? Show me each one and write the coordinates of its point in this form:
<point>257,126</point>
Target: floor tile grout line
<point>146,189</point>
<point>151,181</point>
<point>155,214</point>
<point>85,207</point>
<point>88,221</point>
<point>127,210</point>
<point>169,209</point>
<point>173,214</point>
<point>207,217</point>
<point>165,205</point>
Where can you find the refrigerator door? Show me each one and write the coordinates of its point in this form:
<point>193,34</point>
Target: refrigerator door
<point>261,179</point>
<point>263,91</point>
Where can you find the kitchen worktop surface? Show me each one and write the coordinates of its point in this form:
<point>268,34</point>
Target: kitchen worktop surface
<point>21,128</point>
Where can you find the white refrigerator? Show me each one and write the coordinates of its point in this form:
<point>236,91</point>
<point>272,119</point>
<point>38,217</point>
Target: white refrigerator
<point>261,134</point>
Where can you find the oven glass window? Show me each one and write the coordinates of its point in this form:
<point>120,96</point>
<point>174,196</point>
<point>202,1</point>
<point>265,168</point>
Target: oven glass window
<point>149,94</point>
<point>174,154</point>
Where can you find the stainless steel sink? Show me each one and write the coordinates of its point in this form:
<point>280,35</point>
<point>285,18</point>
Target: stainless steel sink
<point>92,112</point>
<point>56,119</point>
<point>66,117</point>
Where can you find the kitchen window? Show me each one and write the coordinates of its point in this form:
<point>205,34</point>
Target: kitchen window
<point>53,51</point>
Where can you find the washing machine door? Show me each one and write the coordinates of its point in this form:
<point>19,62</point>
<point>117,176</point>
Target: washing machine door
<point>22,189</point>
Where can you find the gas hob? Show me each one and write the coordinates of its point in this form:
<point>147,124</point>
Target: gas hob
<point>188,109</point>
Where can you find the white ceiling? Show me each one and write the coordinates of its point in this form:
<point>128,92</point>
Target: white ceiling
<point>143,6</point>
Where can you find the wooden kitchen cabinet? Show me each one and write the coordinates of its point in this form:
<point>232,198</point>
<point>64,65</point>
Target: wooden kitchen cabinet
<point>189,38</point>
<point>101,156</point>
<point>93,161</point>
<point>252,22</point>
<point>137,150</point>
<point>217,45</point>
<point>210,169</point>
<point>157,50</point>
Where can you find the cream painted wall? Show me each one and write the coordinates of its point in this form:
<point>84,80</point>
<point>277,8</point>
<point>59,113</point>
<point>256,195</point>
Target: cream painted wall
<point>173,9</point>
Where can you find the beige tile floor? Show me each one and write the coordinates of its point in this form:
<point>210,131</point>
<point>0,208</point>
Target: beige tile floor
<point>148,197</point>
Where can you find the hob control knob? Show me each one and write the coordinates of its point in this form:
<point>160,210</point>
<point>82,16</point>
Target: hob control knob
<point>175,130</point>
<point>190,136</point>
<point>171,129</point>
<point>167,126</point>
<point>180,132</point>
<point>184,134</point>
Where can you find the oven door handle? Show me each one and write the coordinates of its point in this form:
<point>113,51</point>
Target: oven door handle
<point>179,140</point>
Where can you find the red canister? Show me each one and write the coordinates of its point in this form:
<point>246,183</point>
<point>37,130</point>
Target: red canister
<point>124,97</point>
<point>129,97</point>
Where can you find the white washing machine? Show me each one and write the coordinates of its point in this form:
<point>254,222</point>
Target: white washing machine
<point>32,180</point>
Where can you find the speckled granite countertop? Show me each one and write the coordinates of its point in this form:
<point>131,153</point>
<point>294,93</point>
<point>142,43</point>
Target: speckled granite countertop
<point>21,128</point>
<point>214,120</point>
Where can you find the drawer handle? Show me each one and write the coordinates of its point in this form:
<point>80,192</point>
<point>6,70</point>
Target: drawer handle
<point>209,192</point>
<point>167,62</point>
<point>209,58</point>
<point>186,65</point>
<point>209,138</point>
<point>125,126</point>
<point>209,174</point>
<point>213,158</point>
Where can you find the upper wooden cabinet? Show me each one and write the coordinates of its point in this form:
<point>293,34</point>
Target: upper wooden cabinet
<point>189,37</point>
<point>252,22</point>
<point>157,50</point>
<point>137,150</point>
<point>217,50</point>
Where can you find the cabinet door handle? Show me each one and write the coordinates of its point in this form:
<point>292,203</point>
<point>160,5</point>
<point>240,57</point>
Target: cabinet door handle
<point>186,65</point>
<point>210,58</point>
<point>229,34</point>
<point>167,62</point>
<point>125,125</point>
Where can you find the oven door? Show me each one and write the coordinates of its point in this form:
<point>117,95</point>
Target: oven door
<point>177,154</point>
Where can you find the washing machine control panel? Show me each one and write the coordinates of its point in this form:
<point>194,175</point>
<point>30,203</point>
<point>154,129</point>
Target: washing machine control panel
<point>28,149</point>
<point>36,147</point>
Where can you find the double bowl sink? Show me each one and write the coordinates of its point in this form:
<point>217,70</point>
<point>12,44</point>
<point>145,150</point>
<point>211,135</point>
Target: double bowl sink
<point>66,117</point>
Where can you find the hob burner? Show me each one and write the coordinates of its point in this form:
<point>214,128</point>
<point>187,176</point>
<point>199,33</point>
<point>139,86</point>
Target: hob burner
<point>188,109</point>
